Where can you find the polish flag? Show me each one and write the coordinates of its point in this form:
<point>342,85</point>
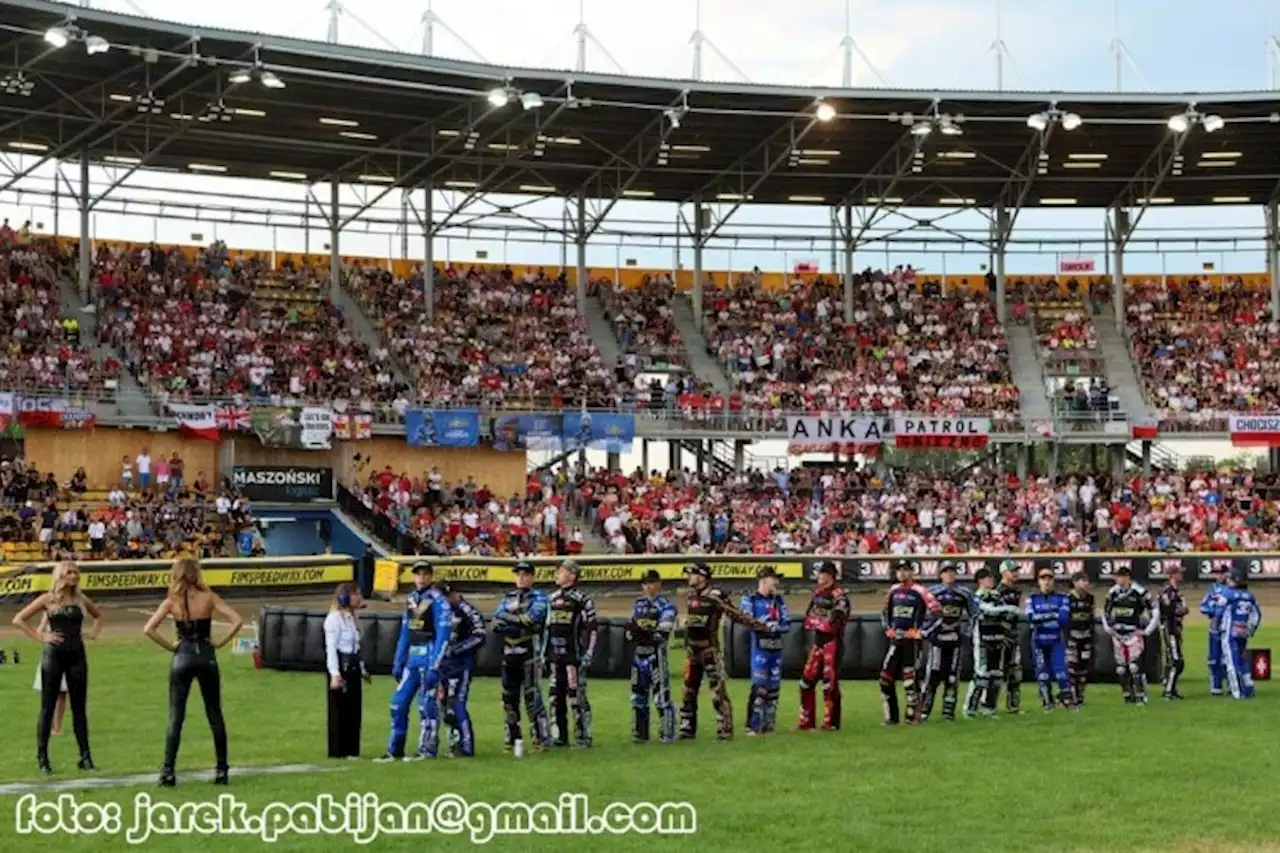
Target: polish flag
<point>1146,428</point>
<point>196,422</point>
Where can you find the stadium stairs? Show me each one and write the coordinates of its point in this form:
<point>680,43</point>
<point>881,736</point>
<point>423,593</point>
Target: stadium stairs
<point>130,401</point>
<point>1027,374</point>
<point>1121,374</point>
<point>704,367</point>
<point>363,328</point>
<point>601,332</point>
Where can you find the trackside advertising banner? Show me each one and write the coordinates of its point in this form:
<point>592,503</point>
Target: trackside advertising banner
<point>875,569</point>
<point>283,483</point>
<point>855,433</point>
<point>139,575</point>
<point>1255,430</point>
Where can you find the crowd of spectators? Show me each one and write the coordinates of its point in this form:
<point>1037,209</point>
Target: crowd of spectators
<point>44,519</point>
<point>209,328</point>
<point>907,349</point>
<point>427,514</point>
<point>644,322</point>
<point>43,350</point>
<point>1204,352</point>
<point>849,512</point>
<point>496,339</point>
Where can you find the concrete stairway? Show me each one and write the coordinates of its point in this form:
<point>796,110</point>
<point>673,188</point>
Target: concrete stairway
<point>364,329</point>
<point>1121,374</point>
<point>601,331</point>
<point>704,367</point>
<point>1027,374</point>
<point>131,401</point>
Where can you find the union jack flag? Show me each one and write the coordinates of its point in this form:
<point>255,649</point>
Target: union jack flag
<point>233,418</point>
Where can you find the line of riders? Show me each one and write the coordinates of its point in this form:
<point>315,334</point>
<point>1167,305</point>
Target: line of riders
<point>553,636</point>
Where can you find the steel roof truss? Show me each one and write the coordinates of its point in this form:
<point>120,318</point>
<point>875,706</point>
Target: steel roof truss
<point>646,156</point>
<point>1014,195</point>
<point>1144,186</point>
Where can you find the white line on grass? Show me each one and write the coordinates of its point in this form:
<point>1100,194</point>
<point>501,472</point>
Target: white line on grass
<point>86,783</point>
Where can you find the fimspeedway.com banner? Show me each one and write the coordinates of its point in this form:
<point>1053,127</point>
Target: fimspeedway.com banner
<point>107,580</point>
<point>871,568</point>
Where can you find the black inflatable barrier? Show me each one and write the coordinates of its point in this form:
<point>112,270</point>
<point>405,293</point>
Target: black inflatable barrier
<point>865,645</point>
<point>292,638</point>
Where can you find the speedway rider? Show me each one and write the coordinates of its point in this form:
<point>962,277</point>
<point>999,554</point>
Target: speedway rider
<point>653,619</point>
<point>520,620</point>
<point>826,615</point>
<point>766,606</point>
<point>946,634</point>
<point>425,629</point>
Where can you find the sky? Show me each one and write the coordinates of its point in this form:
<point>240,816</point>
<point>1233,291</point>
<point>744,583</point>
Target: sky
<point>1174,45</point>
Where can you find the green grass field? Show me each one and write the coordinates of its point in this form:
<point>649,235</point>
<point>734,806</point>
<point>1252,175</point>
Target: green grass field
<point>1193,776</point>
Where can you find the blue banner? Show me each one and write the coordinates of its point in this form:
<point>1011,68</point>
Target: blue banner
<point>596,431</point>
<point>442,427</point>
<point>527,432</point>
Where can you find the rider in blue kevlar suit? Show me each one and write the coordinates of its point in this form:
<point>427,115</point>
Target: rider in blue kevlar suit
<point>424,636</point>
<point>769,608</point>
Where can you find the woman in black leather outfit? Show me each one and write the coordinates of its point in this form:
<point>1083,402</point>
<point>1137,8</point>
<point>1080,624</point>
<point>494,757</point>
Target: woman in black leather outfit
<point>192,604</point>
<point>64,606</point>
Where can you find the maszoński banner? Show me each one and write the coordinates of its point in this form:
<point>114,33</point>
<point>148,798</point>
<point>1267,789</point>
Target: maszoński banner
<point>283,483</point>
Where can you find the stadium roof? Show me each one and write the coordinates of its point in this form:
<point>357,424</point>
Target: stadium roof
<point>400,120</point>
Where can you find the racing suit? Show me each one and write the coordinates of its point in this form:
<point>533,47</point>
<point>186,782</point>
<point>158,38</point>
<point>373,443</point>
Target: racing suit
<point>519,621</point>
<point>570,644</point>
<point>1212,606</point>
<point>1122,619</point>
<point>826,615</point>
<point>425,629</point>
<point>702,641</point>
<point>1050,619</point>
<point>945,634</point>
<point>766,658</point>
<point>1240,619</point>
<point>1011,597</point>
<point>455,678</point>
<point>906,609</point>
<point>1172,611</point>
<point>1080,641</point>
<point>989,652</point>
<point>650,627</point>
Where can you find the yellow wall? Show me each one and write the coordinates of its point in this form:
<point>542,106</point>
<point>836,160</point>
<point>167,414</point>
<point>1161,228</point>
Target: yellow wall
<point>503,473</point>
<point>100,452</point>
<point>634,276</point>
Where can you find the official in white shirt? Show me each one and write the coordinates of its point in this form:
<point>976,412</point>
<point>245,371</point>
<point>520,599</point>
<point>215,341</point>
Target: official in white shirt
<point>344,672</point>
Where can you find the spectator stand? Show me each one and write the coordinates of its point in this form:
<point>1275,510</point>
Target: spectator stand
<point>643,321</point>
<point>1205,348</point>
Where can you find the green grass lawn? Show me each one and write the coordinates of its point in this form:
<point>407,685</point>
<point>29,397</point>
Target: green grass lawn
<point>1200,775</point>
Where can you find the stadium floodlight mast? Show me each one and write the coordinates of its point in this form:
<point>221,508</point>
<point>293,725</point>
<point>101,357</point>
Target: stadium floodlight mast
<point>699,40</point>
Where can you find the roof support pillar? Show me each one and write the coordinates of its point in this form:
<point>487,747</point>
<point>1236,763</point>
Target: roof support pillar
<point>848,261</point>
<point>335,228</point>
<point>1273,256</point>
<point>580,276</point>
<point>86,248</point>
<point>1002,226</point>
<point>428,254</point>
<point>1121,230</point>
<point>698,213</point>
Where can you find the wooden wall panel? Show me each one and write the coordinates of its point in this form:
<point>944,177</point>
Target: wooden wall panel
<point>100,451</point>
<point>504,473</point>
<point>249,451</point>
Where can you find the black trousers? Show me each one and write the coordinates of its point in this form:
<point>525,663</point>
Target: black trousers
<point>60,661</point>
<point>194,662</point>
<point>345,709</point>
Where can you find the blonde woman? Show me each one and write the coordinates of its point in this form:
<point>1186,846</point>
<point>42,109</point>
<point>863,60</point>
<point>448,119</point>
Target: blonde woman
<point>192,604</point>
<point>64,607</point>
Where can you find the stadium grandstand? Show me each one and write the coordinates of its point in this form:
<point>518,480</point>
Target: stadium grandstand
<point>1068,387</point>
